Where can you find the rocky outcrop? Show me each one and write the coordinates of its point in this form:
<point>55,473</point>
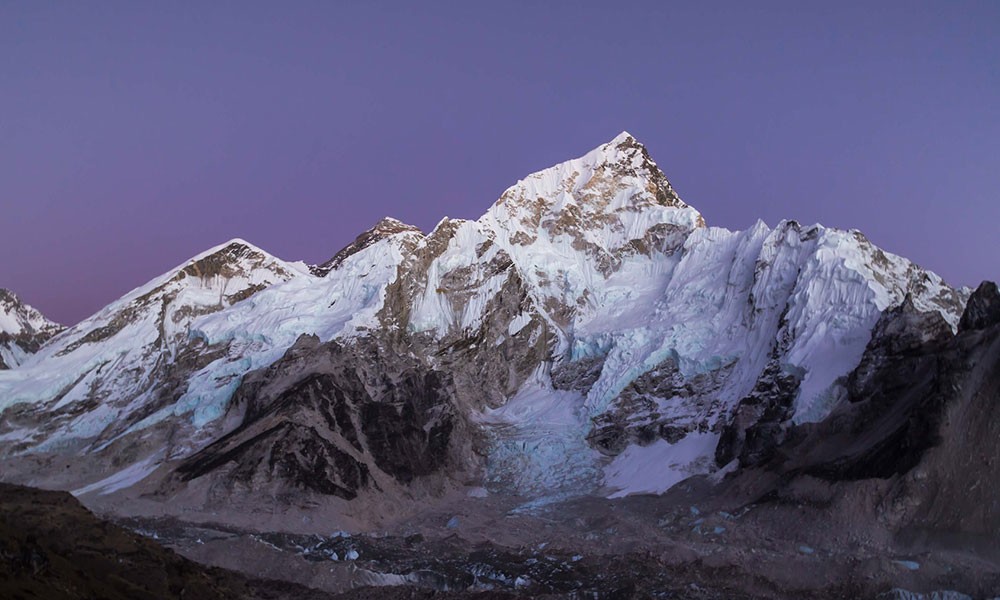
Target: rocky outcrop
<point>923,418</point>
<point>383,229</point>
<point>897,393</point>
<point>951,493</point>
<point>983,308</point>
<point>335,420</point>
<point>758,423</point>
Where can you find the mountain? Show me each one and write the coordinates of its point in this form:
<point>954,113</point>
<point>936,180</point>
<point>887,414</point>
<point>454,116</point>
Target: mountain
<point>23,330</point>
<point>132,361</point>
<point>588,341</point>
<point>587,325</point>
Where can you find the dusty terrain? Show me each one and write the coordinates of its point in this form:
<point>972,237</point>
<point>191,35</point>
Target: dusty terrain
<point>686,544</point>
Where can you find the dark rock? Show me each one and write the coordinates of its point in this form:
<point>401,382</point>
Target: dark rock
<point>913,374</point>
<point>757,425</point>
<point>897,393</point>
<point>983,308</point>
<point>610,441</point>
<point>672,433</point>
<point>318,420</point>
<point>35,329</point>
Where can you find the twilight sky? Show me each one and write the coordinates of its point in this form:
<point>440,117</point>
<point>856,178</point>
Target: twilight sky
<point>134,135</point>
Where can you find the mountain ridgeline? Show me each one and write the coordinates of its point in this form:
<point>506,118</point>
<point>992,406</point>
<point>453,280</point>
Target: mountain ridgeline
<point>589,335</point>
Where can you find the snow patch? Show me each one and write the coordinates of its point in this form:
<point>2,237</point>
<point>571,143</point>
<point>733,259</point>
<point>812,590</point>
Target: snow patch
<point>125,478</point>
<point>655,468</point>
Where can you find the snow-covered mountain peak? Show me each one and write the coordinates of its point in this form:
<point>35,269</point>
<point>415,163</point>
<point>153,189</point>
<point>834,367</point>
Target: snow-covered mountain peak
<point>23,329</point>
<point>571,227</point>
<point>161,309</point>
<point>622,137</point>
<point>393,225</point>
<point>387,227</point>
<point>17,318</point>
<point>136,353</point>
<point>235,258</point>
<point>235,242</point>
<point>610,196</point>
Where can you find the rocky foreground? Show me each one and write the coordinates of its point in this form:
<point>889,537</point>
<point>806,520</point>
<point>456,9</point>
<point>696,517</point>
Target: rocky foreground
<point>679,546</point>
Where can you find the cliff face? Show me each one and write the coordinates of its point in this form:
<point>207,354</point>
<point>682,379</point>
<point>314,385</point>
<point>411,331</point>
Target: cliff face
<point>918,441</point>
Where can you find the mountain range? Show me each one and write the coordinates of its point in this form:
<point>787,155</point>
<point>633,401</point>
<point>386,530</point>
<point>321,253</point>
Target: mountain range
<point>589,337</point>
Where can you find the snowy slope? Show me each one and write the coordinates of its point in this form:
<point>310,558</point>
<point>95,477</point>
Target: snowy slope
<point>178,346</point>
<point>600,334</point>
<point>133,355</point>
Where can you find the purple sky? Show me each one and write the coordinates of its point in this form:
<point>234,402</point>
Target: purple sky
<point>133,136</point>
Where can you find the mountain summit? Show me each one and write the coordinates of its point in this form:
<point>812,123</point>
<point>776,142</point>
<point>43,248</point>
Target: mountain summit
<point>22,330</point>
<point>589,323</point>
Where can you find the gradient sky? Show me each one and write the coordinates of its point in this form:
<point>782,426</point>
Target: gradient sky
<point>133,135</point>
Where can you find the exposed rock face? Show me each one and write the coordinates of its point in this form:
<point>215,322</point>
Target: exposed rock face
<point>983,309</point>
<point>23,330</point>
<point>757,426</point>
<point>923,417</point>
<point>640,416</point>
<point>334,420</point>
